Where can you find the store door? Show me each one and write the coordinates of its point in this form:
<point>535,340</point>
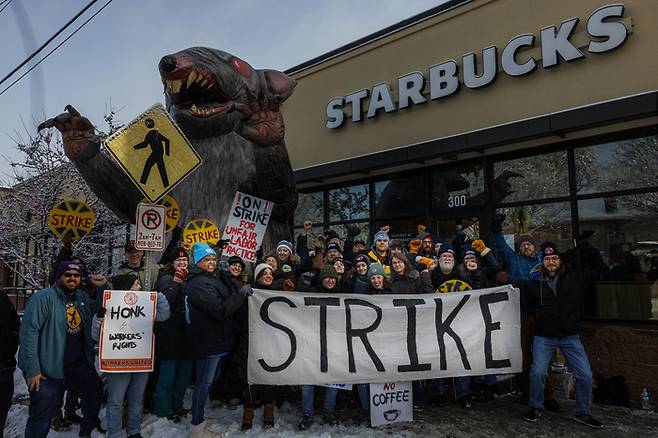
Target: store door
<point>446,224</point>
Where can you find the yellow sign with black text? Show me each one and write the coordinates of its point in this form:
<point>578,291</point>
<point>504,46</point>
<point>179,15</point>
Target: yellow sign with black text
<point>72,218</point>
<point>153,152</point>
<point>200,230</point>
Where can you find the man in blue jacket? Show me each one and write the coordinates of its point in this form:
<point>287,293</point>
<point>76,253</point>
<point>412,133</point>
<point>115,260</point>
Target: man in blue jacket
<point>518,264</point>
<point>56,351</point>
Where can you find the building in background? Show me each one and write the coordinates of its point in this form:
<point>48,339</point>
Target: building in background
<point>544,111</point>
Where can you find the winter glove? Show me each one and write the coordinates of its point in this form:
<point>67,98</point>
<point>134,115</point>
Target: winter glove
<point>246,290</point>
<point>414,246</point>
<point>480,247</point>
<point>459,232</point>
<point>497,224</point>
<point>181,273</point>
<point>100,313</point>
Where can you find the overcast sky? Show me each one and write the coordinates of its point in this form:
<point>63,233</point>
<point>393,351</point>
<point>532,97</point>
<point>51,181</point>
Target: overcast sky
<point>112,61</point>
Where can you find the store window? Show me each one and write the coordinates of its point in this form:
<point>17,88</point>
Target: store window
<point>544,222</point>
<point>310,206</point>
<point>456,187</point>
<point>619,250</point>
<point>349,203</point>
<point>401,197</point>
<point>531,178</point>
<point>620,165</point>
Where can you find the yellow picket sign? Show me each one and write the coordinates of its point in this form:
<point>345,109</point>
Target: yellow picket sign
<point>72,218</point>
<point>153,152</point>
<point>453,286</point>
<point>200,230</point>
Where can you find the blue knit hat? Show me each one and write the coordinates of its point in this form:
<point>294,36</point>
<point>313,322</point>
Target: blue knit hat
<point>375,269</point>
<point>201,250</point>
<point>381,235</point>
<point>285,244</point>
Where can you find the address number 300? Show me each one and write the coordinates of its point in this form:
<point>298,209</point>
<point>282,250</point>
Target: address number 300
<point>456,201</point>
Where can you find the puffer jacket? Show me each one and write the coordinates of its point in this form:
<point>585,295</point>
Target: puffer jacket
<point>557,313</point>
<point>407,284</point>
<point>517,265</point>
<point>171,339</point>
<point>210,313</point>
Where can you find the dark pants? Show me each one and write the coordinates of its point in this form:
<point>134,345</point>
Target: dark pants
<point>70,406</point>
<point>170,388</point>
<point>80,377</point>
<point>6,394</point>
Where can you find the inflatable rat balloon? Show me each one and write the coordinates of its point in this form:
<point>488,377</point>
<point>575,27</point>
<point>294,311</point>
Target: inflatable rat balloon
<point>230,112</point>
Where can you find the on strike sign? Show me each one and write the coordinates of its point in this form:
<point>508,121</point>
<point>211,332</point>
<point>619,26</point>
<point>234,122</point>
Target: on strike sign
<point>151,226</point>
<point>246,226</point>
<point>126,341</point>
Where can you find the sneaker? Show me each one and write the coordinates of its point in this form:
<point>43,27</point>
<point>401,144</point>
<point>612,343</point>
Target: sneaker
<point>418,409</point>
<point>588,420</point>
<point>330,418</point>
<point>173,418</point>
<point>306,423</point>
<point>465,402</point>
<point>553,406</point>
<point>532,415</point>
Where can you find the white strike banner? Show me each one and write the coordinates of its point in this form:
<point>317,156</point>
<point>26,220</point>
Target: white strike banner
<point>309,338</point>
<point>391,403</point>
<point>126,341</point>
<point>246,226</point>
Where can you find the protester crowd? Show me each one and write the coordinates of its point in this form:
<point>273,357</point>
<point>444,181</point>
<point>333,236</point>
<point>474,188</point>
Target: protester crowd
<point>201,332</point>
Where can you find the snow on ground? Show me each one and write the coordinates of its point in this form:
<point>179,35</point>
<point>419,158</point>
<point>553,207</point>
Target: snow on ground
<point>501,418</point>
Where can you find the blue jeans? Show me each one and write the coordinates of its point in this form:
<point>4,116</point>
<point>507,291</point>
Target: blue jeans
<point>119,387</point>
<point>363,390</point>
<point>308,399</point>
<point>80,377</point>
<point>207,371</point>
<point>170,389</point>
<point>574,352</point>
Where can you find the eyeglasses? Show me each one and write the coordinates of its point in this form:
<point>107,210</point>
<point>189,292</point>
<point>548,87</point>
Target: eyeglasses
<point>552,259</point>
<point>71,274</point>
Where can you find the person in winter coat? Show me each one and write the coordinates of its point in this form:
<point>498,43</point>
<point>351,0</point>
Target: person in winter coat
<point>134,264</point>
<point>345,283</point>
<point>404,283</point>
<point>446,276</point>
<point>264,279</point>
<point>328,279</point>
<point>556,296</point>
<point>126,386</point>
<point>10,324</point>
<point>171,346</point>
<point>360,276</point>
<point>290,267</point>
<point>380,252</point>
<point>57,352</point>
<point>210,313</point>
<point>519,263</point>
<point>378,282</point>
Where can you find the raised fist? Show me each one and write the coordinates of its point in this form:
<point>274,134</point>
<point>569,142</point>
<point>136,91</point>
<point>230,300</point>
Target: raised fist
<point>353,230</point>
<point>78,134</point>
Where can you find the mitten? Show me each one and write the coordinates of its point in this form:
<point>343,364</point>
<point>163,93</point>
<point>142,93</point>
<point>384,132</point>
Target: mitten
<point>414,246</point>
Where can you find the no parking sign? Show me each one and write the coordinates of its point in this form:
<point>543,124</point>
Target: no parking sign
<point>151,225</point>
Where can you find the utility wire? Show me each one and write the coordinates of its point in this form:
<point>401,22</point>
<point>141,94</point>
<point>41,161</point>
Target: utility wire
<point>36,52</point>
<point>5,5</point>
<point>56,47</point>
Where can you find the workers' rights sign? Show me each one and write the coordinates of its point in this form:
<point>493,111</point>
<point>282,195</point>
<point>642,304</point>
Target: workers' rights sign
<point>297,338</point>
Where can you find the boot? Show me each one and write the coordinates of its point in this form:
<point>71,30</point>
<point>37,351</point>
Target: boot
<point>268,415</point>
<point>247,418</point>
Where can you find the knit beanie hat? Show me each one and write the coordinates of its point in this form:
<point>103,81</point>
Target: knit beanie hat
<point>201,250</point>
<point>333,246</point>
<point>549,249</point>
<point>123,281</point>
<point>468,250</point>
<point>67,265</point>
<point>424,235</point>
<point>396,243</point>
<point>362,258</point>
<point>380,235</point>
<point>328,271</point>
<point>446,248</point>
<point>526,238</point>
<point>236,259</point>
<point>375,269</point>
<point>260,268</point>
<point>285,244</point>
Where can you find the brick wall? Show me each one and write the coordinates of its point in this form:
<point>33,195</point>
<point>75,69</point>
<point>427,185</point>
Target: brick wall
<point>625,350</point>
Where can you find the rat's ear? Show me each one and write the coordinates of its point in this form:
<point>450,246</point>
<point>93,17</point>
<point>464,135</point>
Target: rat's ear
<point>279,85</point>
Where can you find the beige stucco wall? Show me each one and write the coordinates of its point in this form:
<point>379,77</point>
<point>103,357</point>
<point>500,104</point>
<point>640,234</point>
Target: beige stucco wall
<point>629,69</point>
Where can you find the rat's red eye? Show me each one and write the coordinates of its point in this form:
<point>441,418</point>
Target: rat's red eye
<point>241,66</point>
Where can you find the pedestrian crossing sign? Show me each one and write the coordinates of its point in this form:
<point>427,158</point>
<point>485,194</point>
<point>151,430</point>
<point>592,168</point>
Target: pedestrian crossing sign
<point>153,152</point>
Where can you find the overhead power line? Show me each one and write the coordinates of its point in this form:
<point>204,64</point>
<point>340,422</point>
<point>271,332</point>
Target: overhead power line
<point>5,3</point>
<point>56,47</point>
<point>36,52</point>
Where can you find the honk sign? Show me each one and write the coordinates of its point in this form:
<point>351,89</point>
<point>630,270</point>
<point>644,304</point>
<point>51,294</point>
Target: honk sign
<point>246,226</point>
